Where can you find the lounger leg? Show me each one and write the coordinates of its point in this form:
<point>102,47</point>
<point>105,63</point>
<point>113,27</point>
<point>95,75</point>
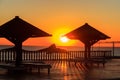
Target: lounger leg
<point>97,64</point>
<point>75,62</point>
<point>103,64</point>
<point>48,70</point>
<point>39,70</point>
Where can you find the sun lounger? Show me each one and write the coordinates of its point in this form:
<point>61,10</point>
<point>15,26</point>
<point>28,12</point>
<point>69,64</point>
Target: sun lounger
<point>98,60</point>
<point>30,66</point>
<point>93,60</point>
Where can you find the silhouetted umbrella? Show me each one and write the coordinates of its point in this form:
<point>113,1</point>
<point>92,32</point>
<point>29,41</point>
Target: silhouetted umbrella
<point>17,31</point>
<point>88,35</point>
<point>52,48</point>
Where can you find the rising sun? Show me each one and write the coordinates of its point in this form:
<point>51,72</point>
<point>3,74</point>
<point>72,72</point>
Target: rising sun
<point>64,39</point>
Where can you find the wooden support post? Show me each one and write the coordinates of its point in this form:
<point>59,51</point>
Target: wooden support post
<point>18,47</point>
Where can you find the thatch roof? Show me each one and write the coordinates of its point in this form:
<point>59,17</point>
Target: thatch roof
<point>86,33</point>
<point>19,30</point>
<point>52,48</point>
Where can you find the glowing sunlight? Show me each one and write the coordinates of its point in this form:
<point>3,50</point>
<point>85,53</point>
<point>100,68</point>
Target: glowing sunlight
<point>64,39</point>
<point>61,40</point>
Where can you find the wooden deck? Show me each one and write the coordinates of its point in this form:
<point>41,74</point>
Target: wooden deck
<point>25,67</point>
<point>61,70</point>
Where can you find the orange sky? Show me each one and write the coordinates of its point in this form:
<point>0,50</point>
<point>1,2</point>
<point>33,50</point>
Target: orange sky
<point>58,17</point>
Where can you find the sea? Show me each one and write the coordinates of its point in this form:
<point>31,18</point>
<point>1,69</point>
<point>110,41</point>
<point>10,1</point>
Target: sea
<point>115,50</point>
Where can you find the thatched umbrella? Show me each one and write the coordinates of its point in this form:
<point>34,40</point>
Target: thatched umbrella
<point>17,31</point>
<point>88,35</point>
<point>53,49</point>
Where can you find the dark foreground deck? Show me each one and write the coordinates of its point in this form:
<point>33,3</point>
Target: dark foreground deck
<point>25,67</point>
<point>61,70</point>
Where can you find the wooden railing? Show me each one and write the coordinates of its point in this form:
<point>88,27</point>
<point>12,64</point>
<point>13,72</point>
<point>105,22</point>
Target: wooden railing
<point>9,55</point>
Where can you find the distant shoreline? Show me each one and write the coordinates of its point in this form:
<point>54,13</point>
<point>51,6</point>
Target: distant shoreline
<point>59,46</point>
<point>68,48</point>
